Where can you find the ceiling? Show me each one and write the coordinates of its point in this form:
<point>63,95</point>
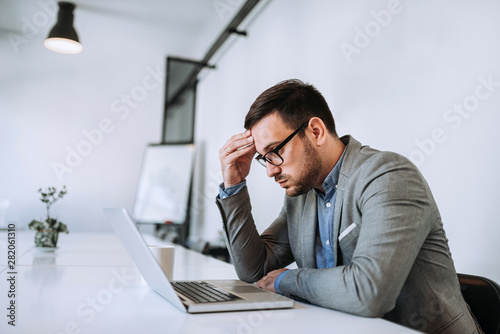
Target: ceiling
<point>178,27</point>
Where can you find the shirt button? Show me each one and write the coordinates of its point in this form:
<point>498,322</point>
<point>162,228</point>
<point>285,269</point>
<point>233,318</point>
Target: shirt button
<point>328,242</point>
<point>328,205</point>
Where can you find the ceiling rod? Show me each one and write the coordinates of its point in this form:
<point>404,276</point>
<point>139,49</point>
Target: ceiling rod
<point>232,28</point>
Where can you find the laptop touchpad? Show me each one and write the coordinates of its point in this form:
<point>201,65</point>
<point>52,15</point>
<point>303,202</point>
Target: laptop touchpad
<point>244,289</point>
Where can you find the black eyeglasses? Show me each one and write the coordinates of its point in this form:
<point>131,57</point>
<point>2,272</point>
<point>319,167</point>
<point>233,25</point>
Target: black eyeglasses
<point>273,156</point>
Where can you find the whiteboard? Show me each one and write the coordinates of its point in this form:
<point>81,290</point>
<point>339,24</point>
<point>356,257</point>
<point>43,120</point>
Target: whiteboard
<point>164,184</point>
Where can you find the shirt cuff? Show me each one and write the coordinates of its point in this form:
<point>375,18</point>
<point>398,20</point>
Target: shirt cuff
<point>223,193</point>
<point>278,280</point>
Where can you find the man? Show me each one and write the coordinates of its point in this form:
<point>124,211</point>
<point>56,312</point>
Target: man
<point>361,224</point>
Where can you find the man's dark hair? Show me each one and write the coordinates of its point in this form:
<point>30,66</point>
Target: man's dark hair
<point>294,102</point>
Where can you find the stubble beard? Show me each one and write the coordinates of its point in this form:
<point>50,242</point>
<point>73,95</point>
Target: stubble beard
<point>311,168</point>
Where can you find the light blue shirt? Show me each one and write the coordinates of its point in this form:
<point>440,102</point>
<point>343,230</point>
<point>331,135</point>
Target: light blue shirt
<point>325,254</point>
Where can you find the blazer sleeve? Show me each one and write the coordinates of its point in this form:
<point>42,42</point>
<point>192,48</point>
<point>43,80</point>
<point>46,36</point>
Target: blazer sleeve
<point>253,255</point>
<point>395,215</point>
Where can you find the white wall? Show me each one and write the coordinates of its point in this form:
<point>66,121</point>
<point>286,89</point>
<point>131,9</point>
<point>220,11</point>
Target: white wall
<point>395,93</point>
<point>51,103</point>
<point>391,95</point>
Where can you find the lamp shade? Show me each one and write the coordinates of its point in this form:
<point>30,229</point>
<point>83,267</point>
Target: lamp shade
<point>63,37</point>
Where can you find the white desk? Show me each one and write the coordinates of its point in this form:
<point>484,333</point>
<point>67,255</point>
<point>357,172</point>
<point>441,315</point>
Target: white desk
<point>90,285</point>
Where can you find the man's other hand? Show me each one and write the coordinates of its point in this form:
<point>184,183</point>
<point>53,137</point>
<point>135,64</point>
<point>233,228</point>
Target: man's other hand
<point>267,282</point>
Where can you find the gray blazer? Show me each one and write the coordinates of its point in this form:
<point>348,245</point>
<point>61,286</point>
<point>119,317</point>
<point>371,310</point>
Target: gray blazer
<point>392,257</point>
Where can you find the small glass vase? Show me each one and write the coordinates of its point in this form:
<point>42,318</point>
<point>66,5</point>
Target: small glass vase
<point>46,238</point>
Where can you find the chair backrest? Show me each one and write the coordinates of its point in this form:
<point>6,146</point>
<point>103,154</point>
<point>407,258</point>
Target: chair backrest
<point>483,297</point>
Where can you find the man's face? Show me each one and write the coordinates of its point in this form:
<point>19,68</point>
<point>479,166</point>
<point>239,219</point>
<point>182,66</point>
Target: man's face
<point>302,164</point>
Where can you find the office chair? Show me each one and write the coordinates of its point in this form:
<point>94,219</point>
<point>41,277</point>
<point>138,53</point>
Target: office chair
<point>483,297</point>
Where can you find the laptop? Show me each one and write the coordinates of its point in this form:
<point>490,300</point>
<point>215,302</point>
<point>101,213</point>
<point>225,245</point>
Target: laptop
<point>190,296</point>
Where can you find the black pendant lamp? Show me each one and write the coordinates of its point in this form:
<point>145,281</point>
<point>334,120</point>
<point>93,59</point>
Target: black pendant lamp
<point>63,37</point>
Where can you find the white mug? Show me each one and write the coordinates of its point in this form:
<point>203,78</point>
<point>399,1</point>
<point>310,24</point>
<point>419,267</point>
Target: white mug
<point>165,257</point>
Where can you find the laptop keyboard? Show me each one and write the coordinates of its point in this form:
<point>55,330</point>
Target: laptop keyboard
<point>203,292</point>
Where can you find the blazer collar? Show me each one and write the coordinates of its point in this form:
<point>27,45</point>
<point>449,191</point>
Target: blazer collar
<point>352,149</point>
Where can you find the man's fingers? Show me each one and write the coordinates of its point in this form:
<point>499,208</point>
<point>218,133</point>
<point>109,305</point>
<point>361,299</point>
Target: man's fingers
<point>266,283</point>
<point>236,157</point>
<point>235,146</point>
<point>237,142</point>
<point>226,155</point>
<point>262,283</point>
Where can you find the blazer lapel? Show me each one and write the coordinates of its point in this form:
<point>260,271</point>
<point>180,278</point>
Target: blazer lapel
<point>352,149</point>
<point>336,219</point>
<point>308,232</point>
